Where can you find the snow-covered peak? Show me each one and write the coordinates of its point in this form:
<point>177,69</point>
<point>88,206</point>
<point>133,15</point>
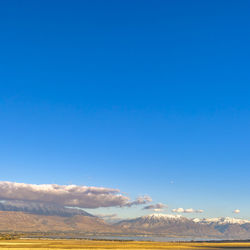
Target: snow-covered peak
<point>221,221</point>
<point>162,216</point>
<point>196,220</point>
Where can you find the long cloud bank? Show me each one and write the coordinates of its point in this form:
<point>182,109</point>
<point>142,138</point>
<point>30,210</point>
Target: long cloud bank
<point>68,195</point>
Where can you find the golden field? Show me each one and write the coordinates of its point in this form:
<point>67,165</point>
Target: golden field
<point>94,244</point>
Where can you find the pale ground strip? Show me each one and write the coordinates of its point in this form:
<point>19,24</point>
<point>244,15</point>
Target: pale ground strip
<point>101,245</point>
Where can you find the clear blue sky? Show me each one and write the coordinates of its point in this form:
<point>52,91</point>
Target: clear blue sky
<point>151,97</point>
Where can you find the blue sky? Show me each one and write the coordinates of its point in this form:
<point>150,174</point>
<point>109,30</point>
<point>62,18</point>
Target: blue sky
<point>150,97</point>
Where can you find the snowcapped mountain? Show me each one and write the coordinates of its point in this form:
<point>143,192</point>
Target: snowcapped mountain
<point>32,216</point>
<point>177,225</point>
<point>155,218</point>
<point>221,221</point>
<point>164,224</point>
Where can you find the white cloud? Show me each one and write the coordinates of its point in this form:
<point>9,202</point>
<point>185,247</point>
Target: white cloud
<point>187,210</point>
<point>178,210</point>
<point>236,211</point>
<point>156,207</point>
<point>68,195</point>
<point>199,211</point>
<point>140,201</point>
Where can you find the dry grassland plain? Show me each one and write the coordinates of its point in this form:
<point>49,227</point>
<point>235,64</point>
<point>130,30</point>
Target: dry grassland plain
<point>90,244</point>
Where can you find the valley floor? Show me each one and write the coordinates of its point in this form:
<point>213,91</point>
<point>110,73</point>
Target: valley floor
<point>101,245</point>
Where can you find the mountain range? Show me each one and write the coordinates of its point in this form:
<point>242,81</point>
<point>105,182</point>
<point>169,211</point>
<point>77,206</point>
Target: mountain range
<point>176,225</point>
<point>41,217</point>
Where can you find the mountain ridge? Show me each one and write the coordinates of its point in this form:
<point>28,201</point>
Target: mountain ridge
<point>27,222</point>
<point>153,224</point>
<point>182,226</point>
